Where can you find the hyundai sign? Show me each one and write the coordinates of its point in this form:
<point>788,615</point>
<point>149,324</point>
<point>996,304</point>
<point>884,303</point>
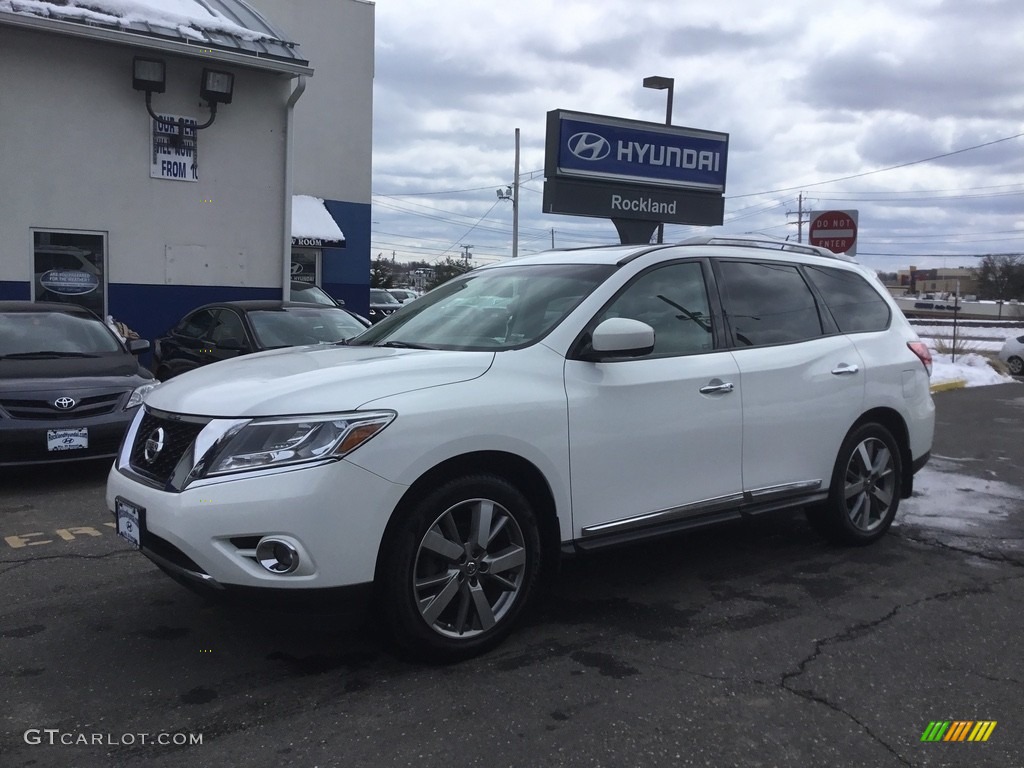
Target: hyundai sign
<point>602,148</point>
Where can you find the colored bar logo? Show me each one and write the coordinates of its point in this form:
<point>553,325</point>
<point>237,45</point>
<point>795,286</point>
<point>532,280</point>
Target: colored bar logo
<point>958,730</point>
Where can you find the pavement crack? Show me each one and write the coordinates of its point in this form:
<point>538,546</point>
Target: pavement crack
<point>65,556</point>
<point>851,633</point>
<point>989,556</point>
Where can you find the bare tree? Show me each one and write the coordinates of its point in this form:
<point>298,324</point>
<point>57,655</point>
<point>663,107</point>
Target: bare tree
<point>1001,276</point>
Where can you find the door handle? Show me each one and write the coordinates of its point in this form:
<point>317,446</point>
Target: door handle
<point>715,386</point>
<point>844,368</point>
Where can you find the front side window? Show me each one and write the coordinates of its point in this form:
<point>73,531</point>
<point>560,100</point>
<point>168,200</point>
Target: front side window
<point>500,308</point>
<point>197,325</point>
<point>673,300</point>
<point>227,328</point>
<point>766,303</point>
<point>854,304</point>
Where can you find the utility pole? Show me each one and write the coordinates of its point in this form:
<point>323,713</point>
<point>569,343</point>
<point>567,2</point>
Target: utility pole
<point>466,254</point>
<point>512,193</point>
<point>800,220</point>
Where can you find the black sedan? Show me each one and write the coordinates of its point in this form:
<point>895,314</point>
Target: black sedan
<point>69,387</point>
<point>228,329</point>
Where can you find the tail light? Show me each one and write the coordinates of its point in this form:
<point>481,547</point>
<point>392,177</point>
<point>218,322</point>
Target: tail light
<point>924,354</point>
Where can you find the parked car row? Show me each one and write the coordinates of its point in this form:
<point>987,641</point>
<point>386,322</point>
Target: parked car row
<point>70,383</point>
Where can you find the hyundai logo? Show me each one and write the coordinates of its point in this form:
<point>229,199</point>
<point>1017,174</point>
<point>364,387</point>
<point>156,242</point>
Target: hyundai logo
<point>154,444</point>
<point>65,403</point>
<point>589,146</point>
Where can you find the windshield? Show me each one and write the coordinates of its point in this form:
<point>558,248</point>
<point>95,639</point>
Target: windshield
<point>54,333</point>
<point>498,308</point>
<point>296,326</point>
<point>380,296</point>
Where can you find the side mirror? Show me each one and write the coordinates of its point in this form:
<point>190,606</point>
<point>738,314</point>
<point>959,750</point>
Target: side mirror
<point>138,346</point>
<point>620,337</point>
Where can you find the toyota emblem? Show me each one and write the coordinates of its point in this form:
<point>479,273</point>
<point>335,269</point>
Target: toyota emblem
<point>154,444</point>
<point>65,403</point>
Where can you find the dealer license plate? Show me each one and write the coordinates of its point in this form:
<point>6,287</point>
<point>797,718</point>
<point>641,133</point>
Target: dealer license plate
<point>67,439</point>
<point>129,521</point>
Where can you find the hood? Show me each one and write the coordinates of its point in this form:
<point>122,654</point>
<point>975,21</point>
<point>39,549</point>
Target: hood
<point>83,368</point>
<point>316,379</point>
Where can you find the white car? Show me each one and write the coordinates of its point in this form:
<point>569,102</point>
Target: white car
<point>1012,354</point>
<point>441,462</point>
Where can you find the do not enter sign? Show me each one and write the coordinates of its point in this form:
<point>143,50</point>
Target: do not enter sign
<point>835,230</point>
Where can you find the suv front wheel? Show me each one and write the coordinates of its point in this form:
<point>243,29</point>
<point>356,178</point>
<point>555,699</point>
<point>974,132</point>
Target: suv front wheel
<point>865,490</point>
<point>460,569</point>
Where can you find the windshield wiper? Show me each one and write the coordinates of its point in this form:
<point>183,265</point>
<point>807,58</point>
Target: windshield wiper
<point>44,354</point>
<point>402,345</point>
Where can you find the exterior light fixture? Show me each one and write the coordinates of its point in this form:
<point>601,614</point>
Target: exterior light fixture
<point>148,75</point>
<point>215,87</point>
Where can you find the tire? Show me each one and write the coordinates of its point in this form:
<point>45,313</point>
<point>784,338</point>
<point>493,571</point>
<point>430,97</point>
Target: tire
<point>865,491</point>
<point>1016,366</point>
<point>445,591</point>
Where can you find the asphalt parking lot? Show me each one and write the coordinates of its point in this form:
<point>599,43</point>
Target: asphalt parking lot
<point>752,645</point>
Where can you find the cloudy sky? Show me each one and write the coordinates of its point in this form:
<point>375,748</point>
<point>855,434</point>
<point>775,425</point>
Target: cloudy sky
<point>910,112</point>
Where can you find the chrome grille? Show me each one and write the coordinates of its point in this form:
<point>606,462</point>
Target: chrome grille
<point>178,438</point>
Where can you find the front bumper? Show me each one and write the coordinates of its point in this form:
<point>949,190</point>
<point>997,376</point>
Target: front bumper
<point>333,514</point>
<point>24,441</point>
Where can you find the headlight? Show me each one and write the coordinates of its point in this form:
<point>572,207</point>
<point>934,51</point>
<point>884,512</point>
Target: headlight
<point>274,442</point>
<point>139,394</point>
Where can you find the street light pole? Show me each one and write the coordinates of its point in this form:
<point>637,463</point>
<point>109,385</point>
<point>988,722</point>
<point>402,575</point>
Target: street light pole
<point>662,84</point>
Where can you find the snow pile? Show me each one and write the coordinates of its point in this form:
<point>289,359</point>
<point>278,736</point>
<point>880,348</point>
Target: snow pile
<point>190,18</point>
<point>972,368</point>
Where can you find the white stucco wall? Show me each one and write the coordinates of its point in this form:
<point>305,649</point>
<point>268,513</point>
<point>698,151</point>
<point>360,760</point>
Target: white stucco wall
<point>334,117</point>
<point>76,143</point>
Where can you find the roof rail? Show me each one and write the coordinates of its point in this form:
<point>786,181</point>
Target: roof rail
<point>766,241</point>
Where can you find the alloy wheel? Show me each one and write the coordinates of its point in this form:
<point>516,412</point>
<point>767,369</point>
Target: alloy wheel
<point>870,484</point>
<point>469,569</point>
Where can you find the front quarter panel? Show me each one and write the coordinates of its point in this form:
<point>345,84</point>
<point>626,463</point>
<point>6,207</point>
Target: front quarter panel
<point>517,407</point>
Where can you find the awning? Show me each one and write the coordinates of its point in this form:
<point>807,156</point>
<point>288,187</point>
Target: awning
<point>312,224</point>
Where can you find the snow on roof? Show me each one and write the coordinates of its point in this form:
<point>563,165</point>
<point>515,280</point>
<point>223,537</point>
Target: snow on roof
<point>310,218</point>
<point>228,24</point>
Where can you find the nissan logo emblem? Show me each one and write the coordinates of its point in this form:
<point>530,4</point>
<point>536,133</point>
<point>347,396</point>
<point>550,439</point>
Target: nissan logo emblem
<point>589,146</point>
<point>65,403</point>
<point>154,444</point>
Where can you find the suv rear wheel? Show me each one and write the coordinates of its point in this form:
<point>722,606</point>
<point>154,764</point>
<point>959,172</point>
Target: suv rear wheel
<point>865,490</point>
<point>460,569</point>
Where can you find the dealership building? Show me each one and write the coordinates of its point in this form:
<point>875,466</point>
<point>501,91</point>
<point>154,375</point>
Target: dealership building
<point>158,156</point>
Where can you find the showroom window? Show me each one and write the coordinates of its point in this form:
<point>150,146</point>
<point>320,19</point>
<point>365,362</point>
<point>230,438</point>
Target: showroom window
<point>767,303</point>
<point>70,267</point>
<point>306,265</point>
<point>673,300</point>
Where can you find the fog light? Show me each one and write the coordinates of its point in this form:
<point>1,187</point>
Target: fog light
<point>277,556</point>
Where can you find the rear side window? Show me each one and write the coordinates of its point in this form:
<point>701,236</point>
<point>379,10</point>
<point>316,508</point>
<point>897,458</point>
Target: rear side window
<point>854,304</point>
<point>767,303</point>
